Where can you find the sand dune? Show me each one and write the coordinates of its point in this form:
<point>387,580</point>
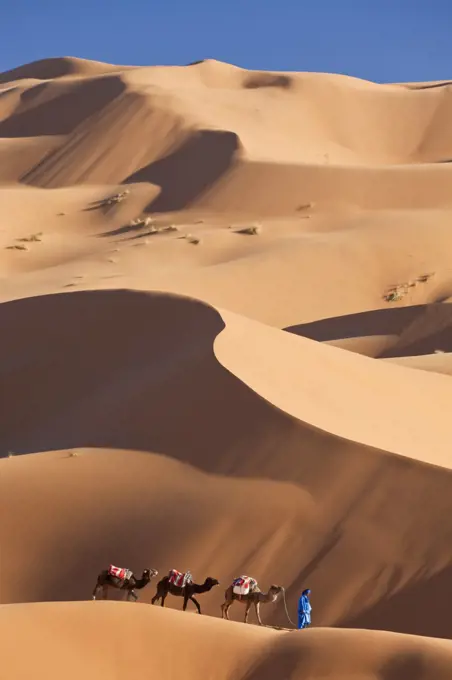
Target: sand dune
<point>406,331</point>
<point>141,377</point>
<point>335,122</point>
<point>225,313</point>
<point>82,638</point>
<point>130,332</point>
<point>148,510</point>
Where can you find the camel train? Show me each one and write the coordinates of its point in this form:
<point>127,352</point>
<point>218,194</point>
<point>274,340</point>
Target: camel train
<point>243,589</point>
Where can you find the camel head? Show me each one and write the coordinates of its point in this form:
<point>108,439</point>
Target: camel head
<point>211,582</point>
<point>149,573</point>
<point>274,591</point>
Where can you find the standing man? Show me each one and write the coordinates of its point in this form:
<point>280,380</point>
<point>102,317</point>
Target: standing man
<point>304,610</point>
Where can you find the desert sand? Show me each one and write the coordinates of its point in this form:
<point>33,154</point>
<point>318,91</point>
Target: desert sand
<point>225,347</point>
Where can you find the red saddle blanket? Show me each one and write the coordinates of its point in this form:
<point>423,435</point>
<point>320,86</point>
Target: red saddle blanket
<point>179,579</point>
<point>119,572</point>
<point>243,584</point>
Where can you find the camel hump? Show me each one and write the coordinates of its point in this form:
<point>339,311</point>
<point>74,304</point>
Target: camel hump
<point>119,572</point>
<point>243,585</point>
<point>179,578</point>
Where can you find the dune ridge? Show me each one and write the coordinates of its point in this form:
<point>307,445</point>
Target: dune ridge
<point>225,312</point>
<point>58,67</point>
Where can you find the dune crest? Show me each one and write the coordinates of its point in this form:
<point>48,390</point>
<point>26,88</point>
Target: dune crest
<point>58,67</point>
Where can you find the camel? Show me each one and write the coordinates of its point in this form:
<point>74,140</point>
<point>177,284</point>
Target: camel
<point>187,591</point>
<point>254,596</point>
<point>128,582</point>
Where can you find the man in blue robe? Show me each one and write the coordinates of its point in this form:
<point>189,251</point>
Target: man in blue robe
<point>304,609</point>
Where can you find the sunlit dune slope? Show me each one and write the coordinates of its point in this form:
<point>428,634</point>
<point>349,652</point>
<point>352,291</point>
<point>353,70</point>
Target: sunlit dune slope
<point>71,639</point>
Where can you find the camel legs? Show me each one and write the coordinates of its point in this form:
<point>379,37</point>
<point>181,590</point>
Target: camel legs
<point>131,594</point>
<point>225,610</point>
<point>104,591</point>
<point>257,606</point>
<point>195,602</point>
<point>159,596</point>
<point>226,605</point>
<point>100,585</point>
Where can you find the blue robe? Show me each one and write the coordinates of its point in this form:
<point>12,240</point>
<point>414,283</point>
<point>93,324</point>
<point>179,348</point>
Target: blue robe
<point>304,612</point>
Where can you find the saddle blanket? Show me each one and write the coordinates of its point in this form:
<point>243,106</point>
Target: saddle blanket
<point>243,584</point>
<point>179,579</point>
<point>119,572</point>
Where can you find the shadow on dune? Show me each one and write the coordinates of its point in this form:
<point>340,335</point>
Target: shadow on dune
<point>419,329</point>
<point>301,656</point>
<point>282,659</point>
<point>118,369</point>
<point>90,554</point>
<point>125,229</point>
<point>189,170</point>
<point>375,322</point>
<point>129,370</point>
<point>418,609</point>
<point>260,80</point>
<point>61,114</point>
<point>410,665</point>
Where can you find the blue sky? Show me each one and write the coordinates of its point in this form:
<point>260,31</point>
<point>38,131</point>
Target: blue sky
<point>381,40</point>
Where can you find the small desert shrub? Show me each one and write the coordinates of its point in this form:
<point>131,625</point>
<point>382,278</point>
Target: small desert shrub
<point>252,230</point>
<point>153,229</point>
<point>399,291</point>
<point>394,295</point>
<point>423,278</point>
<point>194,240</point>
<point>161,230</point>
<point>116,198</point>
<point>141,222</point>
<point>31,238</point>
<point>17,246</point>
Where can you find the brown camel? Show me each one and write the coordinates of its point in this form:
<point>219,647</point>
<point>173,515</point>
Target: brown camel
<point>187,591</point>
<point>126,581</point>
<point>254,596</point>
